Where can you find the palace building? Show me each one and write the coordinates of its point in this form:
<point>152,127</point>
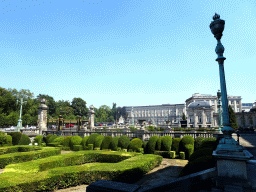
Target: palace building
<point>201,110</point>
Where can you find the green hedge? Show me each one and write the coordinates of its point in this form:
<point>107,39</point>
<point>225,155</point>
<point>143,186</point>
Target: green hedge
<point>15,137</point>
<point>84,141</point>
<point>11,158</point>
<point>135,144</point>
<point>198,142</point>
<point>200,153</point>
<point>176,144</point>
<point>24,140</point>
<point>66,141</point>
<point>106,142</point>
<point>182,155</point>
<point>189,150</point>
<point>38,139</point>
<point>9,140</point>
<point>166,143</point>
<point>151,145</point>
<point>92,138</point>
<point>75,140</point>
<point>123,141</point>
<point>59,140</point>
<point>199,164</point>
<point>158,143</point>
<point>46,139</point>
<point>60,173</point>
<point>114,143</point>
<point>187,139</point>
<point>172,154</point>
<point>18,148</point>
<point>77,147</point>
<point>51,139</point>
<point>98,141</point>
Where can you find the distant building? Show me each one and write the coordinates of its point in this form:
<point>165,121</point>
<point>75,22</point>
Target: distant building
<point>201,110</point>
<point>247,118</point>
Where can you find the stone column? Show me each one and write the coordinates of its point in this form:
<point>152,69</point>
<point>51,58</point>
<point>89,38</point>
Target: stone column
<point>195,120</point>
<point>215,106</point>
<point>42,116</point>
<point>240,106</point>
<point>204,118</point>
<point>235,106</point>
<point>91,117</point>
<point>212,123</point>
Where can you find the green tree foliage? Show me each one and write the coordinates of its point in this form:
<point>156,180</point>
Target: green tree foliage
<point>103,114</point>
<point>232,118</point>
<point>184,117</point>
<point>3,139</point>
<point>79,106</point>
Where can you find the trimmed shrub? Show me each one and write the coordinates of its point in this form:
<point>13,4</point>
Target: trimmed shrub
<point>124,150</point>
<point>106,142</point>
<point>97,149</point>
<point>141,150</point>
<point>43,145</point>
<point>59,140</point>
<point>77,147</point>
<point>66,141</point>
<point>158,144</point>
<point>130,150</point>
<point>119,149</point>
<point>175,145</point>
<point>172,154</point>
<point>135,144</point>
<point>189,150</point>
<point>9,140</point>
<point>46,139</point>
<point>201,153</point>
<point>38,139</point>
<point>84,141</point>
<point>187,139</point>
<point>51,139</point>
<point>151,145</point>
<point>15,137</point>
<point>24,140</point>
<point>92,138</point>
<point>166,143</point>
<point>209,143</point>
<point>123,142</point>
<point>182,155</point>
<point>114,143</point>
<point>198,142</point>
<point>90,147</point>
<point>144,144</point>
<point>98,141</point>
<point>199,164</point>
<point>3,139</point>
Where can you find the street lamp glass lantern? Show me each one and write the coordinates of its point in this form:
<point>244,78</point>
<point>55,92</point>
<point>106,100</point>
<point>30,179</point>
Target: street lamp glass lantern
<point>217,26</point>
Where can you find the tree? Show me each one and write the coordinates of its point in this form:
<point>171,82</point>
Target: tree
<point>232,118</point>
<point>184,117</point>
<point>79,106</point>
<point>114,111</point>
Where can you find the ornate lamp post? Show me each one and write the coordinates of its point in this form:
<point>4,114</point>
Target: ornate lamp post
<point>220,111</point>
<point>227,143</point>
<point>19,125</point>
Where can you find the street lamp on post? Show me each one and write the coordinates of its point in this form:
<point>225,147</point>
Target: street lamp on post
<point>227,143</point>
<point>19,125</point>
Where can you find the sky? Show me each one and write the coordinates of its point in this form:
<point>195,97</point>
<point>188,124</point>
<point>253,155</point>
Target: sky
<point>131,52</point>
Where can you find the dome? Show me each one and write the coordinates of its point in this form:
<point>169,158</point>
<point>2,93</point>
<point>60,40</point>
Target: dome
<point>199,104</point>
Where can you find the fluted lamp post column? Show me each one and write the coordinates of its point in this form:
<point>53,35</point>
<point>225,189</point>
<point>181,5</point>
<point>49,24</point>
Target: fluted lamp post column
<point>220,111</point>
<point>231,157</point>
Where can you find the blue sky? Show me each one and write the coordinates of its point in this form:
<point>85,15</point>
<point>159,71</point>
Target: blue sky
<point>133,52</point>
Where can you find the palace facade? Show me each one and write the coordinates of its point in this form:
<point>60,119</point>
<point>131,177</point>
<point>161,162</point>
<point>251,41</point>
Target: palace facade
<point>201,110</point>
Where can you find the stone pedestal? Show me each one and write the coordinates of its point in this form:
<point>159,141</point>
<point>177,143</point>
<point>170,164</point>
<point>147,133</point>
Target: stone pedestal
<point>91,118</point>
<point>42,116</point>
<point>231,168</point>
